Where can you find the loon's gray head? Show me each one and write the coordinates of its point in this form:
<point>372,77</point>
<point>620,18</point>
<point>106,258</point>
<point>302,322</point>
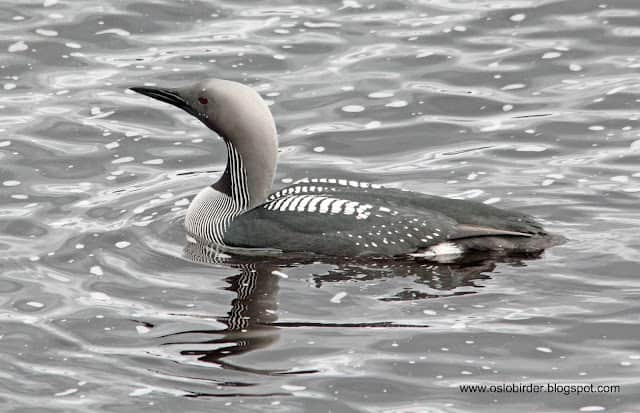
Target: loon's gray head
<point>239,115</point>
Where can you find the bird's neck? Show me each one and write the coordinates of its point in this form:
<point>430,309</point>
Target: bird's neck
<point>246,179</point>
<point>234,181</point>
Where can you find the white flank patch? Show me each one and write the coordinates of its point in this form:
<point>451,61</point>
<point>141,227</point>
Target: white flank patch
<point>445,251</point>
<point>446,248</point>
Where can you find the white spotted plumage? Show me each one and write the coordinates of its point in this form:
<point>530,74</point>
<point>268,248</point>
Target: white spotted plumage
<point>320,204</point>
<point>332,185</point>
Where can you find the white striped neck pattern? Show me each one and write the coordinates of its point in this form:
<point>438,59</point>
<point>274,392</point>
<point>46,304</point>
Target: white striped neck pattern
<point>214,207</point>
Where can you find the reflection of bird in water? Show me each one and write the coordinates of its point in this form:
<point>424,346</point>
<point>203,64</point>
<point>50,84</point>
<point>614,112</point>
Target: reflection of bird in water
<point>252,322</point>
<point>249,321</point>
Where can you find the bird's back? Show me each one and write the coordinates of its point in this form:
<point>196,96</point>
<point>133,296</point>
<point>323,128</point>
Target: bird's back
<point>347,218</point>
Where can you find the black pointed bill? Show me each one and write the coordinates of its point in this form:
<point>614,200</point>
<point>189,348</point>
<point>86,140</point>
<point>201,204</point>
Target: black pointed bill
<point>170,96</point>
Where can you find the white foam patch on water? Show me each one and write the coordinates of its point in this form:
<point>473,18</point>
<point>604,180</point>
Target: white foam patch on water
<point>11,183</point>
<point>544,349</point>
<point>623,179</point>
<point>140,392</point>
<point>47,33</point>
<point>122,244</point>
<point>116,31</point>
<point>124,159</point>
<point>352,108</point>
<point>96,270</point>
<point>4,143</point>
<point>142,329</point>
<point>292,387</point>
<point>397,104</point>
<point>513,86</point>
<point>337,299</point>
<point>551,55</point>
<point>18,47</point>
<point>99,296</point>
<point>518,17</point>
<point>66,392</point>
<point>380,95</point>
<point>58,277</point>
<point>592,409</point>
<point>35,304</point>
<point>531,148</point>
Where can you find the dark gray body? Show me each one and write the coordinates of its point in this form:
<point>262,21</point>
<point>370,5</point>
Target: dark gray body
<point>408,222</point>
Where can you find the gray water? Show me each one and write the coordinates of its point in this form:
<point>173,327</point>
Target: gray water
<point>532,105</point>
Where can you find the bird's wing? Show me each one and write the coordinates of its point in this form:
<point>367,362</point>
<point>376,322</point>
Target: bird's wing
<point>340,217</point>
<point>468,231</point>
<point>334,224</point>
<point>466,212</point>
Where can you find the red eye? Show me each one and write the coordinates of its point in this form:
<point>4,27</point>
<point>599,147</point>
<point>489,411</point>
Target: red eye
<point>202,100</point>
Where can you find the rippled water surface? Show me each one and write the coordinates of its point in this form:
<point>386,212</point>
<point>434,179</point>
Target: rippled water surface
<point>532,105</point>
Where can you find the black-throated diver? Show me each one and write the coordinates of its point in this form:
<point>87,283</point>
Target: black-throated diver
<point>326,216</point>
